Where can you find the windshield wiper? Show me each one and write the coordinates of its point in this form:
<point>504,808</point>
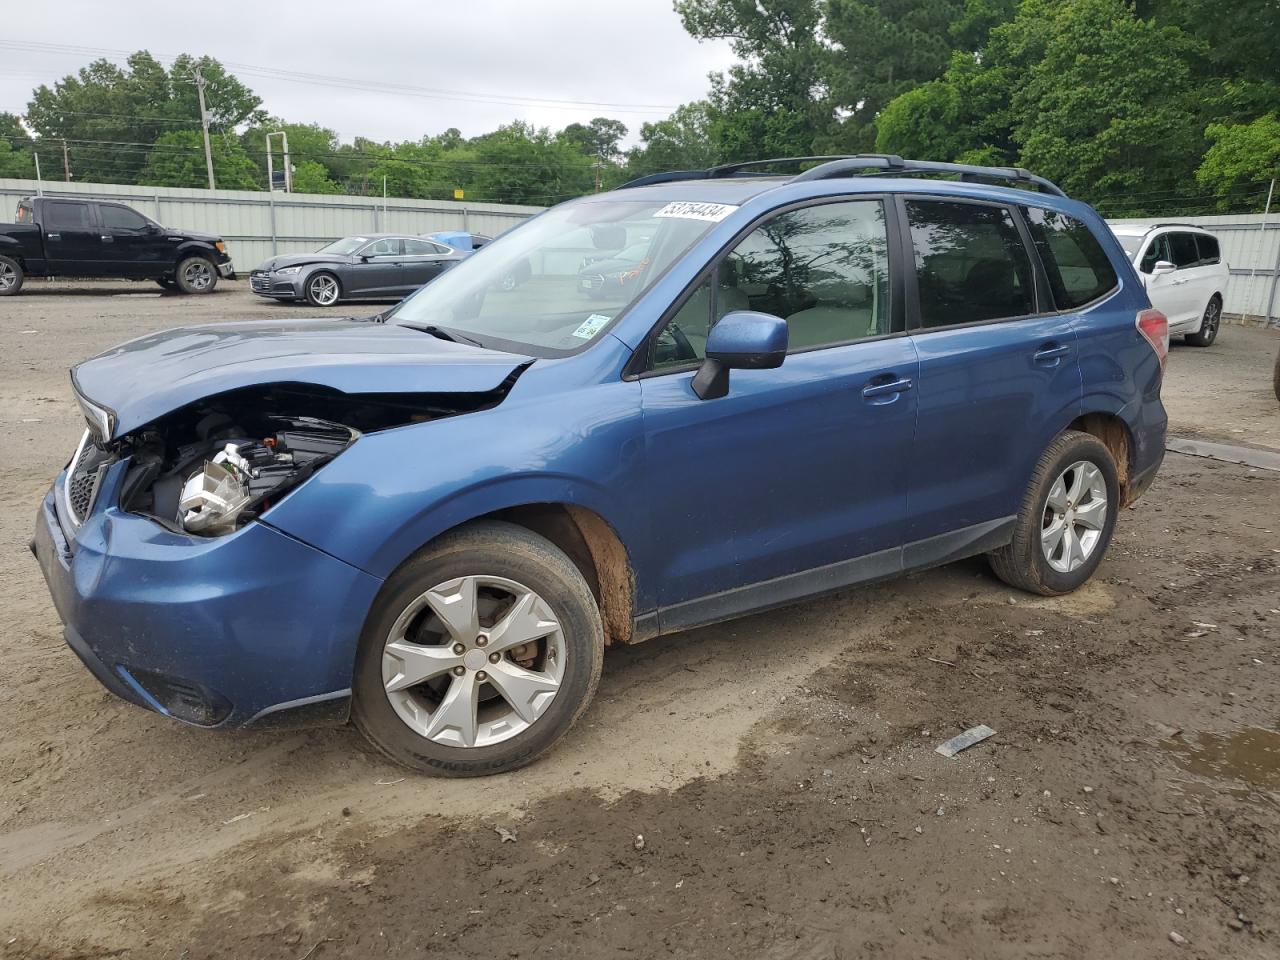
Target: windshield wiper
<point>441,333</point>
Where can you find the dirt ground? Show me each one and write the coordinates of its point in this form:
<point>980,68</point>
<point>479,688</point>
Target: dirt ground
<point>780,769</point>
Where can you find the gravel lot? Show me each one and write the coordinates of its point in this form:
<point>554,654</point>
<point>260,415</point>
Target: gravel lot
<point>780,768</point>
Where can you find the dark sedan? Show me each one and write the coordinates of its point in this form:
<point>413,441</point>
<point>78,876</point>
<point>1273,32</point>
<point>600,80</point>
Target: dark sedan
<point>373,266</point>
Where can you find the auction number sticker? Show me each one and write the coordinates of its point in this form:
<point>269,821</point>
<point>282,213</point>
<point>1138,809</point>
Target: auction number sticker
<point>591,326</point>
<point>688,210</point>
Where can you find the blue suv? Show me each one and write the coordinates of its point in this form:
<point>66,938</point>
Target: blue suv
<point>434,520</point>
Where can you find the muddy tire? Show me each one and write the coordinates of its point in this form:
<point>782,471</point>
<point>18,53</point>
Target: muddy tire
<point>11,277</point>
<point>479,654</point>
<point>1209,324</point>
<point>1066,519</point>
<point>196,275</point>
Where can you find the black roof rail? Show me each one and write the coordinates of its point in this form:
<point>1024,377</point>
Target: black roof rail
<point>880,165</point>
<point>723,170</point>
<point>885,164</point>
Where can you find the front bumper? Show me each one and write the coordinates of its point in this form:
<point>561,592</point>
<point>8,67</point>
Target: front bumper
<point>268,285</point>
<point>227,270</point>
<point>213,631</point>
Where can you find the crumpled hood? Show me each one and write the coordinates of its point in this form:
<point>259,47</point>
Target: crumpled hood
<point>153,375</point>
<point>297,259</point>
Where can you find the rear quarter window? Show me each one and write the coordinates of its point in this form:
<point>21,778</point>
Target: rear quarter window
<point>1208,248</point>
<point>1078,268</point>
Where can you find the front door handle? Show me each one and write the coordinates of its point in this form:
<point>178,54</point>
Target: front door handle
<point>107,238</point>
<point>878,388</point>
<point>1051,354</point>
<point>53,236</point>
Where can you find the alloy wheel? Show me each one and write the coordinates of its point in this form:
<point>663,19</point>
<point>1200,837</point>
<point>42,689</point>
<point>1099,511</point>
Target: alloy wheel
<point>1075,515</point>
<point>8,276</point>
<point>1212,317</point>
<point>473,661</point>
<point>324,290</point>
<point>198,274</point>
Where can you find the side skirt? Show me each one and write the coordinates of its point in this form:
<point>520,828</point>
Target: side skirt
<point>882,565</point>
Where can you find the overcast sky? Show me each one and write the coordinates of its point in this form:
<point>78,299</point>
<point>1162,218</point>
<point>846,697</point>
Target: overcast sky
<point>632,61</point>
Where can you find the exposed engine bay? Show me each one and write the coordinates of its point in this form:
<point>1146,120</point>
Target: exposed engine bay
<point>217,464</point>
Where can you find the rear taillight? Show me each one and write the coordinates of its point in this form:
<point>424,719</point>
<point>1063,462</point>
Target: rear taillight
<point>1154,325</point>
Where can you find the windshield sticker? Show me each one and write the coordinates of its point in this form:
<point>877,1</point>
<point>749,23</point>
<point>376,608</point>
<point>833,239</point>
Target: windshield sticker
<point>591,326</point>
<point>687,210</point>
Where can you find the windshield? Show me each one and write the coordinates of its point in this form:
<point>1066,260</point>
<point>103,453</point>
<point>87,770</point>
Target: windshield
<point>1130,244</point>
<point>533,289</point>
<point>344,246</point>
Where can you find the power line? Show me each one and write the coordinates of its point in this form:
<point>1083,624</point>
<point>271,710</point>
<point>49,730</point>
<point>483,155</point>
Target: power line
<point>294,76</point>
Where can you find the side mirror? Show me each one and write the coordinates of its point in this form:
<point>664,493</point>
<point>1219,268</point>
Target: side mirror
<point>364,258</point>
<point>1162,266</point>
<point>742,340</point>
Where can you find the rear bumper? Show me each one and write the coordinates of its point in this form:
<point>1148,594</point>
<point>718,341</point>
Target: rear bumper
<point>1149,434</point>
<point>214,632</point>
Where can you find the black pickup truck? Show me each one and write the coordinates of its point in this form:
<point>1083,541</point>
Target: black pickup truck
<point>66,237</point>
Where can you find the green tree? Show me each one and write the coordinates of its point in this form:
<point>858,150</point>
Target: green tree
<point>599,138</point>
<point>309,176</point>
<point>177,159</point>
<point>110,115</point>
<point>883,48</point>
<point>775,102</point>
<point>1242,154</point>
<point>520,163</point>
<point>16,149</point>
<point>681,142</point>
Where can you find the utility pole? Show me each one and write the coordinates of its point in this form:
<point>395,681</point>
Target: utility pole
<point>288,167</point>
<point>39,183</point>
<point>66,161</point>
<point>204,124</point>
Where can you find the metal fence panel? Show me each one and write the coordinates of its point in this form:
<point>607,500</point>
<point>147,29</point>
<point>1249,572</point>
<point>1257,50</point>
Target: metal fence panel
<point>259,225</point>
<point>1250,244</point>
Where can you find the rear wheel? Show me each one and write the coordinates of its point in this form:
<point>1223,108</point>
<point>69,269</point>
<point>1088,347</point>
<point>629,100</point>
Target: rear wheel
<point>196,275</point>
<point>323,290</point>
<point>10,277</point>
<point>1209,325</point>
<point>479,655</point>
<point>1067,516</point>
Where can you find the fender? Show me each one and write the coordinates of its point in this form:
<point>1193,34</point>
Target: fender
<point>189,248</point>
<point>394,491</point>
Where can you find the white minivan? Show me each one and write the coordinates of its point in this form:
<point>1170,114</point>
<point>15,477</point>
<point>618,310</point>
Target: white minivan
<point>1184,273</point>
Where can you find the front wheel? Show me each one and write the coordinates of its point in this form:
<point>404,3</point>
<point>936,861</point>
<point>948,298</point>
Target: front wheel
<point>10,277</point>
<point>196,275</point>
<point>1209,325</point>
<point>479,655</point>
<point>1066,519</point>
<point>322,290</point>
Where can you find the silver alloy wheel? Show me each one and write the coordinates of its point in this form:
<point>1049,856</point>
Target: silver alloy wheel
<point>198,274</point>
<point>449,663</point>
<point>1074,516</point>
<point>1212,317</point>
<point>324,290</point>
<point>8,276</point>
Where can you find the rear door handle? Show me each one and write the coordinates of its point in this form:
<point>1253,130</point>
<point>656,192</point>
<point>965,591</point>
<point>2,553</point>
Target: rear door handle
<point>108,238</point>
<point>892,388</point>
<point>53,236</point>
<point>1051,354</point>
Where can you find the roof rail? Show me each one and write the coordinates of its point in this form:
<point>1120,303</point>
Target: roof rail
<point>887,164</point>
<point>723,170</point>
<point>881,165</point>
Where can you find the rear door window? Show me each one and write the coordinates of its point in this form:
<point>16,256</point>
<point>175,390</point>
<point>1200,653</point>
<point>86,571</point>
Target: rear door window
<point>1078,268</point>
<point>971,263</point>
<point>59,215</point>
<point>1208,247</point>
<point>1183,248</point>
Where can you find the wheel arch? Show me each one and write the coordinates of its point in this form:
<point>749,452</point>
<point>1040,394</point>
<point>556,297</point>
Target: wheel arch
<point>194,248</point>
<point>1117,437</point>
<point>591,542</point>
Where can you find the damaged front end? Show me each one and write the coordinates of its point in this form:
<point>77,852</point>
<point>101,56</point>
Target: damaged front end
<point>213,466</point>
